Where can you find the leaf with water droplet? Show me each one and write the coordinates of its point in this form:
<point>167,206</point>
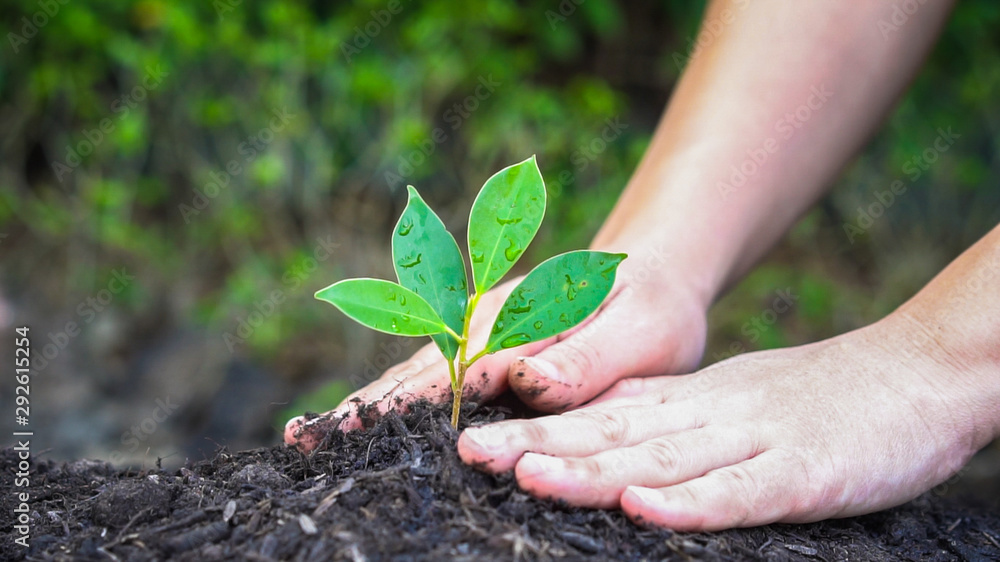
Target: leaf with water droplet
<point>515,340</point>
<point>410,261</point>
<point>521,309</point>
<point>575,275</point>
<point>503,221</point>
<point>513,251</point>
<point>428,262</point>
<point>384,306</point>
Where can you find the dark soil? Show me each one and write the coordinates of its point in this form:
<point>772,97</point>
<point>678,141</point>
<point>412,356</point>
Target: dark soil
<point>397,491</point>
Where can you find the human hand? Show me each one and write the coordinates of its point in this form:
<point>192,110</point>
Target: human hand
<point>833,429</point>
<point>561,372</point>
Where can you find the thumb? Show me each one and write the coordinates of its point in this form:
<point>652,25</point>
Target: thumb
<point>626,338</point>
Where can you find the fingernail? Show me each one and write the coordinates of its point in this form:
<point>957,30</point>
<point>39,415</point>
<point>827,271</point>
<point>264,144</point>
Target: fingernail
<point>294,423</point>
<point>532,463</point>
<point>487,438</point>
<point>545,369</point>
<point>647,496</point>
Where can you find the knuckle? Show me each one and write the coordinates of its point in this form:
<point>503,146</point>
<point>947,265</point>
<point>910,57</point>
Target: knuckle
<point>614,429</point>
<point>535,433</point>
<point>812,481</point>
<point>742,490</point>
<point>666,455</point>
<point>581,356</point>
<point>629,386</point>
<point>590,470</point>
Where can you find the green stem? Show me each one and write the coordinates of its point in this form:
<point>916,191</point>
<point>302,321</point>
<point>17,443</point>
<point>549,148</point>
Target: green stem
<point>451,373</point>
<point>452,333</point>
<point>459,383</point>
<point>456,404</point>
<point>478,356</point>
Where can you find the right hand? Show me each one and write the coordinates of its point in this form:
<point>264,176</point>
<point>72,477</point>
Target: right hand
<point>650,324</point>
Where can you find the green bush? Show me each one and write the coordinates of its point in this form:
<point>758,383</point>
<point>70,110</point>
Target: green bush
<point>238,137</point>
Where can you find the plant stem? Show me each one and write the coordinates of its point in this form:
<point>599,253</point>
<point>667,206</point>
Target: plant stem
<point>452,333</point>
<point>459,382</point>
<point>451,373</point>
<point>477,357</point>
<point>456,404</point>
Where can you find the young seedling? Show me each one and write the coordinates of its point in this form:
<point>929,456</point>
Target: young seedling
<point>432,297</point>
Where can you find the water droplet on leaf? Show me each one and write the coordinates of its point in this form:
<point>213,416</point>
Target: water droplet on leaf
<point>405,226</point>
<point>521,309</point>
<point>497,327</point>
<point>409,261</point>
<point>512,251</point>
<point>515,340</point>
<point>478,257</point>
<point>512,220</point>
<point>538,324</point>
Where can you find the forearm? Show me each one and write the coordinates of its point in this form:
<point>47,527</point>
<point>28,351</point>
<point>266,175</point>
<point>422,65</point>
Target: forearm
<point>766,113</point>
<point>955,321</point>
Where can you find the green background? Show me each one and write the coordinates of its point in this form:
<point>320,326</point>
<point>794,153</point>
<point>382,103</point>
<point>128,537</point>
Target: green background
<point>187,92</point>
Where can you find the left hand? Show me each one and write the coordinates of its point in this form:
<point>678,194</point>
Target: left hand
<point>838,428</point>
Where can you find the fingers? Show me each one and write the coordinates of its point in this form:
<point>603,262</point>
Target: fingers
<point>754,492</point>
<point>498,447</point>
<point>423,376</point>
<point>599,480</point>
<point>622,340</point>
<point>485,379</point>
<point>648,390</point>
<point>291,434</point>
<point>385,395</point>
<point>426,373</point>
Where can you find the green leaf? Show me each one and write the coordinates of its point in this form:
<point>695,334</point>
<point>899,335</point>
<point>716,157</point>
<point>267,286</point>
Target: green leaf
<point>504,219</point>
<point>554,297</point>
<point>383,306</point>
<point>428,262</point>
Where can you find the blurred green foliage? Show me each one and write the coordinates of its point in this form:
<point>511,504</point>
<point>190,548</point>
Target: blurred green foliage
<point>189,176</point>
